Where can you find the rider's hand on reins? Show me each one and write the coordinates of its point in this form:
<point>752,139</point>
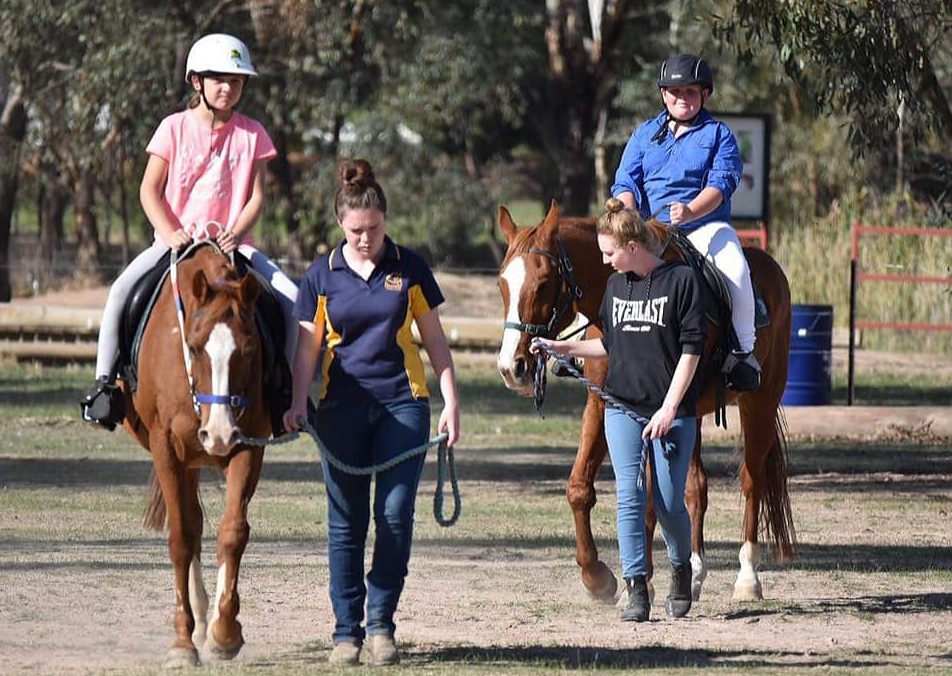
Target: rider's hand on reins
<point>680,213</point>
<point>226,241</point>
<point>179,239</point>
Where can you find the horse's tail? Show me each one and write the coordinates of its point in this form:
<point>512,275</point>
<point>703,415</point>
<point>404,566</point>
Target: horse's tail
<point>155,513</point>
<point>775,513</point>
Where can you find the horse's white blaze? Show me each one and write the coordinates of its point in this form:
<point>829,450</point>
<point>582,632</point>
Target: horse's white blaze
<point>198,599</point>
<point>515,276</point>
<point>221,422</point>
<point>219,590</point>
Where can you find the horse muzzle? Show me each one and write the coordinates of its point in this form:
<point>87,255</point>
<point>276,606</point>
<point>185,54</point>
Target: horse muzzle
<point>515,374</point>
<point>218,440</point>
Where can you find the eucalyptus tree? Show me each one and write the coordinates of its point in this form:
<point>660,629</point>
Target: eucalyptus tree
<point>885,64</point>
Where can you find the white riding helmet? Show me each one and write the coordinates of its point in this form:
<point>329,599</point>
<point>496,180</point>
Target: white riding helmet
<point>219,53</point>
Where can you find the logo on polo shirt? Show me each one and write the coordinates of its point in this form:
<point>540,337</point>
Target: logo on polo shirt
<point>393,282</point>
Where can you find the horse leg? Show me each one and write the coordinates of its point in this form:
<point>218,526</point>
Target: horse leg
<point>172,478</point>
<point>197,595</point>
<point>695,499</point>
<point>224,631</point>
<point>598,578</point>
<point>764,480</point>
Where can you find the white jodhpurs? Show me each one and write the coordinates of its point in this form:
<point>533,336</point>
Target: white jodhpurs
<point>718,242</point>
<point>107,350</point>
<point>286,292</point>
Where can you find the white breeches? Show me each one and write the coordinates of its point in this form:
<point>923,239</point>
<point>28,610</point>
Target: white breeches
<point>718,242</point>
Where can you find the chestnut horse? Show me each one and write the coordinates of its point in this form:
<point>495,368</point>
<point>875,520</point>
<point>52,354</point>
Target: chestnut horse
<point>186,429</point>
<point>553,271</point>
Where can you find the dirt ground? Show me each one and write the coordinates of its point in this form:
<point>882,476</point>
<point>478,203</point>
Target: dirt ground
<point>864,595</point>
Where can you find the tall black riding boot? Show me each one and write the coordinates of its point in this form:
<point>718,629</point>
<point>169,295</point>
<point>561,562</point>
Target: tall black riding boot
<point>678,602</point>
<point>638,607</point>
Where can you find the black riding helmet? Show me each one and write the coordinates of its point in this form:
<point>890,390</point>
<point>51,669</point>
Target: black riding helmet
<point>686,69</point>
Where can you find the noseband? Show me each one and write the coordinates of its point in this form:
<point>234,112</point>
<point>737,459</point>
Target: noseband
<point>568,292</point>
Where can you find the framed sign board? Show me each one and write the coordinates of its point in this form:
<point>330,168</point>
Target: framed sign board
<point>751,200</point>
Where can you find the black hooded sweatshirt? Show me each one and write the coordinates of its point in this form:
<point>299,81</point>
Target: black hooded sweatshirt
<point>648,324</point>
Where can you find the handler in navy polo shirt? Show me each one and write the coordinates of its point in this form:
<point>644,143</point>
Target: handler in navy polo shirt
<point>358,303</point>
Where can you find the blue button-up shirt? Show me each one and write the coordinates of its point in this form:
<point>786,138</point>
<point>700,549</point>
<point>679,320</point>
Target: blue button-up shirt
<point>676,170</point>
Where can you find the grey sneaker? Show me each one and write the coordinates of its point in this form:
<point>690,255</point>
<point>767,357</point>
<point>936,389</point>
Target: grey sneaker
<point>345,653</point>
<point>383,650</point>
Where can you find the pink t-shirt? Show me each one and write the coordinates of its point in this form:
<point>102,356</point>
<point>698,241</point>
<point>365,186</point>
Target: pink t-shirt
<point>211,171</point>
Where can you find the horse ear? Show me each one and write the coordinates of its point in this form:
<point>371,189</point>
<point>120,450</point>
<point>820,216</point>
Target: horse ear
<point>506,224</point>
<point>201,289</point>
<point>248,290</point>
<point>551,222</point>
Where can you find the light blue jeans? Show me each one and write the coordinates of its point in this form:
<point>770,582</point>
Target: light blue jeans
<point>626,446</point>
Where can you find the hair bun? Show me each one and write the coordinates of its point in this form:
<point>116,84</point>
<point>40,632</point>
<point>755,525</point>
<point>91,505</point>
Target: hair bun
<point>356,173</point>
<point>614,205</point>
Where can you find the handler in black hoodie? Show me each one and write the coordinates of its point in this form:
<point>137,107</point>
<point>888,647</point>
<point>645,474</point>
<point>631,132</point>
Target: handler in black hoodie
<point>653,322</point>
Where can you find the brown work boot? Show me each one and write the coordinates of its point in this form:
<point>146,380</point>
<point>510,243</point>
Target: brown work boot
<point>346,653</point>
<point>383,650</point>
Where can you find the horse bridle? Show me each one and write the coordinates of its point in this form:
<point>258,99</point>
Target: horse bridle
<point>568,292</point>
<point>237,402</point>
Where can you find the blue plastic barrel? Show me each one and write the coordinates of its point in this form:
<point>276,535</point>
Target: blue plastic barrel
<point>809,381</point>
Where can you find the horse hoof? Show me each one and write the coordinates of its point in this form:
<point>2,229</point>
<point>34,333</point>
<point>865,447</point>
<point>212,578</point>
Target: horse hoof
<point>222,653</point>
<point>180,658</point>
<point>601,584</point>
<point>748,592</point>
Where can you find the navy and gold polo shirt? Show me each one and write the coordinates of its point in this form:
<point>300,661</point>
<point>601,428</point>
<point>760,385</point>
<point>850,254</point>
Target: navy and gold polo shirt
<point>369,353</point>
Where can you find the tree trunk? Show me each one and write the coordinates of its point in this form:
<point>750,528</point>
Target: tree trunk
<point>8,195</point>
<point>51,207</point>
<point>89,250</point>
<point>12,133</point>
<point>581,76</point>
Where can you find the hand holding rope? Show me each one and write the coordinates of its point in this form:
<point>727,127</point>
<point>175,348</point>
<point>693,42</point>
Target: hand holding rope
<point>544,350</point>
<point>445,465</point>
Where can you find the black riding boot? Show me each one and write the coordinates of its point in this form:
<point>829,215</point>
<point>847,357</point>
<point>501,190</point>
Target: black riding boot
<point>678,602</point>
<point>742,371</point>
<point>638,607</point>
<point>103,404</point>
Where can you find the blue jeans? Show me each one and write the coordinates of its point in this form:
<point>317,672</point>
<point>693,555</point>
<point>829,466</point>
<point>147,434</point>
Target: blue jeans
<point>364,435</point>
<point>669,477</point>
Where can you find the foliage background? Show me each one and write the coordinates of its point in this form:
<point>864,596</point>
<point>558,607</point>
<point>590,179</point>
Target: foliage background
<point>462,106</point>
